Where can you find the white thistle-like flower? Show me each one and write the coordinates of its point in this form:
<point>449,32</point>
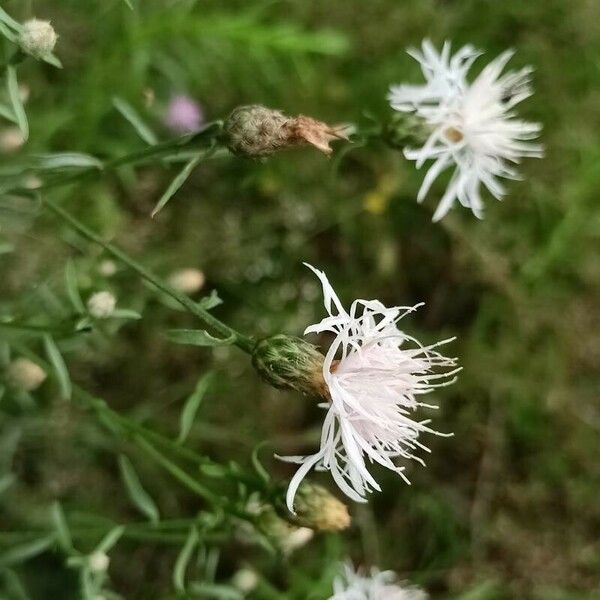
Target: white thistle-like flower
<point>374,374</point>
<point>474,128</point>
<point>38,38</point>
<point>378,585</point>
<point>101,305</point>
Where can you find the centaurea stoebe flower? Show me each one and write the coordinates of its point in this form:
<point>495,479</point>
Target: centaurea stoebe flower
<point>473,128</point>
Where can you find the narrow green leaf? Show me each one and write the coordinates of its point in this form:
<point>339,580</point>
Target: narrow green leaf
<point>7,33</point>
<point>129,4</point>
<point>14,586</point>
<point>15,100</point>
<point>216,591</point>
<point>53,60</point>
<point>177,182</point>
<point>183,559</point>
<point>59,366</point>
<point>191,406</point>
<point>63,535</point>
<point>198,337</point>
<point>65,160</point>
<point>125,313</point>
<point>137,493</point>
<point>23,552</point>
<point>110,539</point>
<point>7,113</point>
<point>6,248</point>
<point>260,470</point>
<point>135,120</point>
<point>73,287</point>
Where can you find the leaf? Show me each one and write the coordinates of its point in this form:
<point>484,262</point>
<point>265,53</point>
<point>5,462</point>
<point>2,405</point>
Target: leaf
<point>198,337</point>
<point>183,559</point>
<point>59,366</point>
<point>129,4</point>
<point>15,100</point>
<point>7,113</point>
<point>23,552</point>
<point>190,407</point>
<point>6,481</point>
<point>216,591</point>
<point>13,585</point>
<point>261,471</point>
<point>73,288</point>
<point>110,539</point>
<point>135,120</point>
<point>137,493</point>
<point>65,160</point>
<point>6,248</point>
<point>177,182</point>
<point>9,21</point>
<point>63,535</point>
<point>53,60</point>
<point>125,313</point>
<point>211,301</point>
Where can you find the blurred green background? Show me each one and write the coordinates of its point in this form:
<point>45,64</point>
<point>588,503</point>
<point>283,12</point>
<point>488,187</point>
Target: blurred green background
<point>508,507</point>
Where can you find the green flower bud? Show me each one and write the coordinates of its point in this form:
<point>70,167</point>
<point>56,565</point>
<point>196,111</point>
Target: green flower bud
<point>319,509</point>
<point>405,129</point>
<point>289,362</point>
<point>255,131</point>
<point>284,535</point>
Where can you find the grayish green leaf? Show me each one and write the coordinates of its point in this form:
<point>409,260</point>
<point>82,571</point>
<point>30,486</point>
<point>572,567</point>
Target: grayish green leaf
<point>65,160</point>
<point>143,130</point>
<point>15,99</point>
<point>183,559</point>
<point>191,406</point>
<point>110,539</point>
<point>198,337</point>
<point>137,493</point>
<point>21,553</point>
<point>63,535</point>
<point>177,182</point>
<point>59,366</point>
<point>73,287</point>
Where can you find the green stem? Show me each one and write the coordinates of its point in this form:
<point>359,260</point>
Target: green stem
<point>240,340</point>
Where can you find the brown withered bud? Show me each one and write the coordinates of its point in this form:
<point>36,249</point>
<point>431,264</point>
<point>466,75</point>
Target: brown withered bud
<point>255,131</point>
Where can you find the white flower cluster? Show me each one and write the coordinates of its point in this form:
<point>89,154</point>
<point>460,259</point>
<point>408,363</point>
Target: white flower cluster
<point>375,375</point>
<point>473,125</point>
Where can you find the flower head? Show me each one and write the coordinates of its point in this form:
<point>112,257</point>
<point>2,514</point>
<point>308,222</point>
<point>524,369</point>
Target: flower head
<point>183,115</point>
<point>378,585</point>
<point>374,376</point>
<point>101,305</point>
<point>38,38</point>
<point>255,130</point>
<point>188,281</point>
<point>473,127</point>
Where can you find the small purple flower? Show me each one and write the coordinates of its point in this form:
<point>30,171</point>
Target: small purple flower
<point>183,114</point>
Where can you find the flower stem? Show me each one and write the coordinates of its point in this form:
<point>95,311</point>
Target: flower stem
<point>244,342</point>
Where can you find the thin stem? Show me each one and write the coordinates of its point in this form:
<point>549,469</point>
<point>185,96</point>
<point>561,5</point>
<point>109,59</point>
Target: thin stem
<point>240,340</point>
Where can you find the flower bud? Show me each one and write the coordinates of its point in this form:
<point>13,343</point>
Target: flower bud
<point>406,129</point>
<point>318,509</point>
<point>289,362</point>
<point>11,140</point>
<point>188,281</point>
<point>284,535</point>
<point>38,38</point>
<point>255,131</point>
<point>98,562</point>
<point>25,375</point>
<point>101,305</point>
<point>245,580</point>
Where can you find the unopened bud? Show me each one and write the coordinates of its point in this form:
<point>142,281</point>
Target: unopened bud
<point>318,509</point>
<point>98,562</point>
<point>255,131</point>
<point>101,305</point>
<point>288,362</point>
<point>188,281</point>
<point>245,580</point>
<point>38,38</point>
<point>11,139</point>
<point>405,130</point>
<point>25,375</point>
<point>284,535</point>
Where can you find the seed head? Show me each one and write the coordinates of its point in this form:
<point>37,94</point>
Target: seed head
<point>25,375</point>
<point>38,38</point>
<point>318,509</point>
<point>288,362</point>
<point>255,130</point>
<point>98,562</point>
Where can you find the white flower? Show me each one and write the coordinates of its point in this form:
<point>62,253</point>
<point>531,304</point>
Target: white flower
<point>473,126</point>
<point>374,375</point>
<point>101,305</point>
<point>98,562</point>
<point>38,38</point>
<point>379,585</point>
<point>245,580</point>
